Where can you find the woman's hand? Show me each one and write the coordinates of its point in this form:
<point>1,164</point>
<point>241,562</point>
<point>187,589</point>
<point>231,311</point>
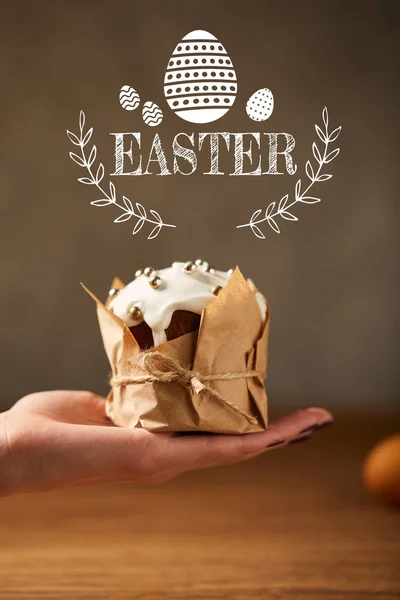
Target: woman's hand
<point>63,438</point>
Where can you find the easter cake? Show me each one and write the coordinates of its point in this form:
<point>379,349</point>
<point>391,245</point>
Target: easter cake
<point>187,347</point>
<point>159,306</point>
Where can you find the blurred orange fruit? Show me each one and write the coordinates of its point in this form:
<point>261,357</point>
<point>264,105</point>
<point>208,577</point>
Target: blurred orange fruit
<point>381,470</point>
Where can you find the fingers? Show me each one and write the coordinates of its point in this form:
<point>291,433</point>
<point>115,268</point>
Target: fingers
<point>195,452</point>
<point>300,422</point>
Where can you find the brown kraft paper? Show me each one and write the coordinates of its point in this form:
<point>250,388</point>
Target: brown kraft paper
<point>231,338</point>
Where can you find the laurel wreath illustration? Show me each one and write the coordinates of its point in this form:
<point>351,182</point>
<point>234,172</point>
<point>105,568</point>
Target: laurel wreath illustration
<point>128,210</point>
<point>281,209</point>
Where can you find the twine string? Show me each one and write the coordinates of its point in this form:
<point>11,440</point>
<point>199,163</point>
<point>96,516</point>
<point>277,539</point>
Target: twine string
<point>158,368</point>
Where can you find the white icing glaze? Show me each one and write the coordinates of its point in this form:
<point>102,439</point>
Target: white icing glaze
<point>262,304</point>
<point>178,291</point>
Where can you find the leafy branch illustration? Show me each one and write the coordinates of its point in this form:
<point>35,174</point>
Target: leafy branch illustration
<point>281,209</point>
<point>96,176</point>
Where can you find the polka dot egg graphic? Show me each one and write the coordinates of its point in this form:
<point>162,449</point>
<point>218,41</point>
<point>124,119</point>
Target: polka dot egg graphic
<point>260,105</point>
<point>200,83</point>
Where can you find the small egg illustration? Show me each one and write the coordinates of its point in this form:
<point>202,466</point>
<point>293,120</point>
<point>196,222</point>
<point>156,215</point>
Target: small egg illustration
<point>129,98</point>
<point>200,83</point>
<point>152,114</point>
<point>260,105</point>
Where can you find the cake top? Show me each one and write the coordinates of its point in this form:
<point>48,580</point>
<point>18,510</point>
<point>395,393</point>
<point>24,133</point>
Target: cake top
<point>153,296</point>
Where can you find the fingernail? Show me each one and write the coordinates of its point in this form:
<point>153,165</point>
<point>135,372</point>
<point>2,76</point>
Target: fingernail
<point>325,424</point>
<point>278,443</point>
<point>317,426</point>
<point>303,438</point>
<point>309,428</point>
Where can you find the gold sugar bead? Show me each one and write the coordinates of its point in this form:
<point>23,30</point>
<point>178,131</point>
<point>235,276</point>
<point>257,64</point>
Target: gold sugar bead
<point>139,272</point>
<point>155,282</point>
<point>199,262</point>
<point>190,268</point>
<point>216,290</point>
<point>113,292</point>
<point>209,269</point>
<point>149,271</point>
<point>135,312</point>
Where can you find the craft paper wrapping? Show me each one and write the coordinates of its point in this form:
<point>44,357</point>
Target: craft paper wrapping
<point>232,337</point>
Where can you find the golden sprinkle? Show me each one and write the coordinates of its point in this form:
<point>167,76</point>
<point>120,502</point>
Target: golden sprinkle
<point>139,272</point>
<point>190,268</point>
<point>149,271</point>
<point>113,292</point>
<point>155,282</point>
<point>135,312</point>
<point>199,262</point>
<point>216,290</point>
<point>208,269</point>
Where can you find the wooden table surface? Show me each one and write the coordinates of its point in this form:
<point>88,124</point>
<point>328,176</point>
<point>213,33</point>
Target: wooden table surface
<point>294,524</point>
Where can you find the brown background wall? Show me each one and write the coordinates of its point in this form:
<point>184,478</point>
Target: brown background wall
<point>331,277</point>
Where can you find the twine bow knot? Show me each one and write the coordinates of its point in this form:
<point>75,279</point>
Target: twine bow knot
<point>164,369</point>
<point>159,368</point>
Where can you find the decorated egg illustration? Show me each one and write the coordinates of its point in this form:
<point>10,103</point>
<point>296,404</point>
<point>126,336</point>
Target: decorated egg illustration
<point>260,105</point>
<point>200,83</point>
<point>152,114</point>
<point>129,98</point>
